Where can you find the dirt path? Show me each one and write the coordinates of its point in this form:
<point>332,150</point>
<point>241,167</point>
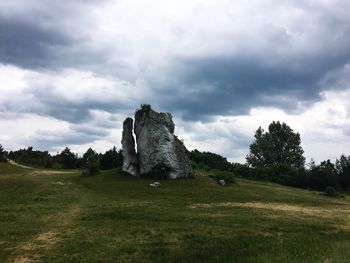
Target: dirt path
<point>34,249</point>
<point>39,171</point>
<point>19,165</point>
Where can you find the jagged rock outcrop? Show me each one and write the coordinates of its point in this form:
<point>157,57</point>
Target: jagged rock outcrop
<point>159,152</point>
<point>130,163</point>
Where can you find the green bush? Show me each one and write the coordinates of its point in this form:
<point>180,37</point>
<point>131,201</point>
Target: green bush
<point>111,159</point>
<point>2,155</point>
<point>330,191</point>
<point>209,160</point>
<point>93,165</point>
<point>160,171</point>
<point>228,177</point>
<point>146,107</point>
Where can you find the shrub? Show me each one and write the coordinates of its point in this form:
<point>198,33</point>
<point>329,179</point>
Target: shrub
<point>2,154</point>
<point>146,107</point>
<point>111,159</point>
<point>209,160</point>
<point>31,157</point>
<point>241,170</point>
<point>321,176</point>
<point>228,177</point>
<point>93,165</point>
<point>160,171</point>
<point>278,173</point>
<point>343,171</point>
<point>330,191</point>
<point>68,159</point>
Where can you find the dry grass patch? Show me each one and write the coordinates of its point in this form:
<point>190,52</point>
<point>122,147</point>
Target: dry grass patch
<point>32,250</point>
<point>296,210</point>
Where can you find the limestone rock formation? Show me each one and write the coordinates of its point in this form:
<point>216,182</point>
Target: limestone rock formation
<point>130,164</point>
<point>159,152</point>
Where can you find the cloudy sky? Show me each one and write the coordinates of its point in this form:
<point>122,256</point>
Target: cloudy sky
<point>71,71</point>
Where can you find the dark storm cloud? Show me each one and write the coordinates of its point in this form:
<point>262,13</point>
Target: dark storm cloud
<point>231,86</point>
<point>25,44</point>
<point>45,101</point>
<point>281,71</point>
<point>44,35</point>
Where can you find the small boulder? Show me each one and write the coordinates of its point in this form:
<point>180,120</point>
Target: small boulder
<point>85,173</point>
<point>222,182</point>
<point>155,184</point>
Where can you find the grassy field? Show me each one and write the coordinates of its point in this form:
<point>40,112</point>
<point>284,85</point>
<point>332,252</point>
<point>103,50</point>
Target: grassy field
<point>60,217</point>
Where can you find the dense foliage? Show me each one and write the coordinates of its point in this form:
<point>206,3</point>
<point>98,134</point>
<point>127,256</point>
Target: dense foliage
<point>279,145</point>
<point>275,156</point>
<point>111,159</point>
<point>323,175</point>
<point>67,159</point>
<point>314,176</point>
<point>32,157</point>
<point>342,166</point>
<point>160,171</point>
<point>2,155</point>
<point>208,161</point>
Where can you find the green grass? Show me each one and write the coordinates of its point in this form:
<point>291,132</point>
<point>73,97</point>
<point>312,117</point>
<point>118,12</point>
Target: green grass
<point>50,217</point>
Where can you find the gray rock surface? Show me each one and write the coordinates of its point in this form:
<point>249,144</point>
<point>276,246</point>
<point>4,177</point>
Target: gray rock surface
<point>130,163</point>
<point>85,173</point>
<point>222,182</point>
<point>159,152</point>
<point>155,184</point>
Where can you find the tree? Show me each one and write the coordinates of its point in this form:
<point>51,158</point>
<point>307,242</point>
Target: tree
<point>323,175</point>
<point>68,159</point>
<point>343,169</point>
<point>208,160</point>
<point>111,159</point>
<point>91,161</point>
<point>89,155</point>
<point>31,157</point>
<point>2,155</point>
<point>279,145</point>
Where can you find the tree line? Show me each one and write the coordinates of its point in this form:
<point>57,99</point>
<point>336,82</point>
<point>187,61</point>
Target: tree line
<point>66,159</point>
<point>274,155</point>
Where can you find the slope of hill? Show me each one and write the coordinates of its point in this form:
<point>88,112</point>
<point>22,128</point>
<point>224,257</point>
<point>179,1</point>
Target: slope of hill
<point>60,217</point>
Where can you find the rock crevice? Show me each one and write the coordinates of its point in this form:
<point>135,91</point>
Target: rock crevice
<point>130,163</point>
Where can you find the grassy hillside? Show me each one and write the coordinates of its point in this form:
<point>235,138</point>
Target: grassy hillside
<point>47,216</point>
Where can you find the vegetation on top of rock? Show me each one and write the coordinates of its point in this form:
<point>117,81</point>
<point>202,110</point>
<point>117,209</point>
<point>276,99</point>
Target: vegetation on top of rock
<point>145,108</point>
